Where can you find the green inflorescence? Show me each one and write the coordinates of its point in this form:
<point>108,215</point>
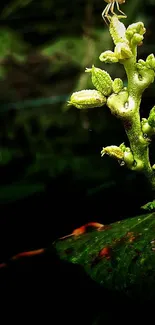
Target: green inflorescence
<point>124,102</point>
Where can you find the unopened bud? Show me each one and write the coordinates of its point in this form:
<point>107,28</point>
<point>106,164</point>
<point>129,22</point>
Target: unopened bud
<point>87,99</point>
<point>101,80</point>
<point>113,151</point>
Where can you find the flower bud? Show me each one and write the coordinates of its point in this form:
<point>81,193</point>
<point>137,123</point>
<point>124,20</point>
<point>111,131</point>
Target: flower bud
<point>101,80</point>
<point>113,151</point>
<point>151,118</point>
<point>136,28</point>
<point>122,146</point>
<point>150,61</point>
<point>117,85</point>
<point>128,157</point>
<point>87,99</point>
<point>108,57</point>
<point>146,127</point>
<point>141,65</point>
<point>117,30</point>
<point>122,51</point>
<point>134,34</point>
<point>137,39</point>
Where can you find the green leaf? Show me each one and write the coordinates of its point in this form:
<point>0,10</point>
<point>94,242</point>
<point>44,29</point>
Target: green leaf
<point>149,206</point>
<point>121,256</point>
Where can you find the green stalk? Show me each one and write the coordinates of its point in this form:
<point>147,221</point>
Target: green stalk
<point>138,144</point>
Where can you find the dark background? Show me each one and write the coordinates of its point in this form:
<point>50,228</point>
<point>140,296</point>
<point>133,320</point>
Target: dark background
<point>52,178</point>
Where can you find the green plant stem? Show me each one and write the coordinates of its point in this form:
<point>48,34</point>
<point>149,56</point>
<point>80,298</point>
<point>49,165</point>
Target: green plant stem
<point>138,144</point>
<point>140,148</point>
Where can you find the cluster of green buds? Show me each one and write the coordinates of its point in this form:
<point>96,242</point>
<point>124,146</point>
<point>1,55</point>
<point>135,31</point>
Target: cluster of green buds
<point>90,98</point>
<point>104,85</point>
<point>147,67</point>
<point>125,40</point>
<point>122,154</point>
<point>134,34</point>
<point>148,64</point>
<point>124,102</point>
<point>148,125</point>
